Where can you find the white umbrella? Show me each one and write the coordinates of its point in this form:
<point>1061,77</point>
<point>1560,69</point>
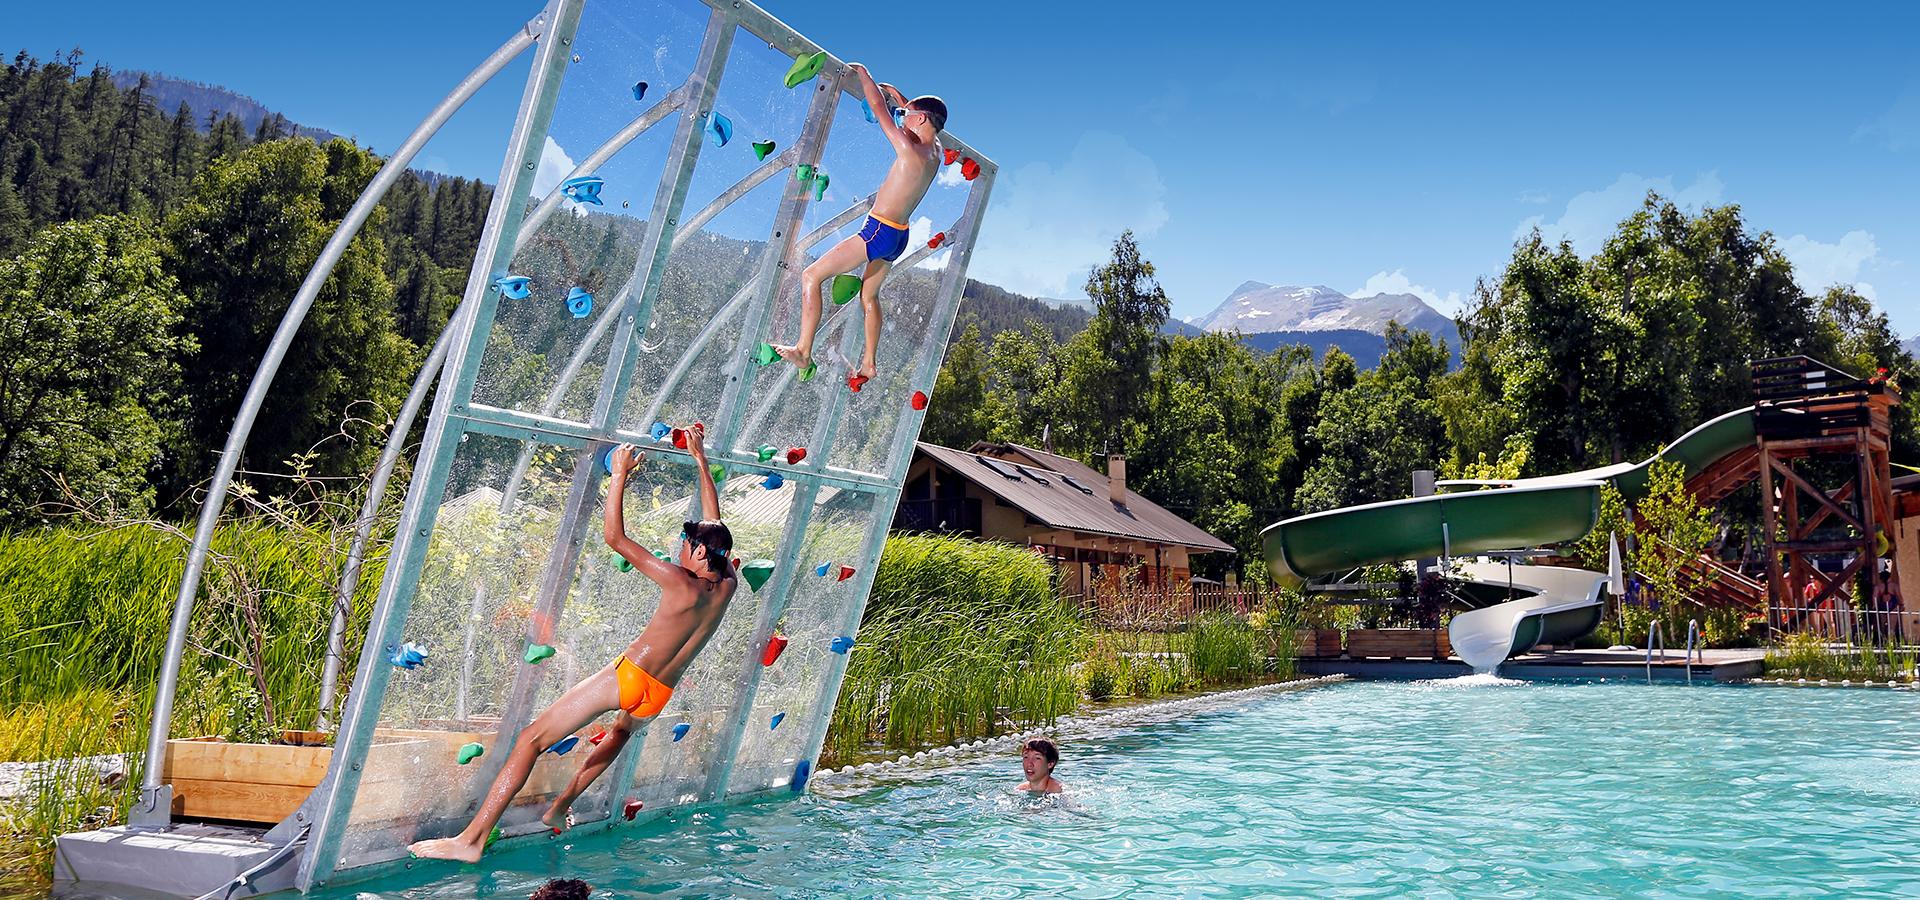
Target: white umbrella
<point>1616,581</point>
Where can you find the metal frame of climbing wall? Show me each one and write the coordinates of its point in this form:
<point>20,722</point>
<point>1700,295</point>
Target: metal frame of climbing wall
<point>558,445</point>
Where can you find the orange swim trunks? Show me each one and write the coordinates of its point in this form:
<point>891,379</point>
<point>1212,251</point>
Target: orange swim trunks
<point>641,694</point>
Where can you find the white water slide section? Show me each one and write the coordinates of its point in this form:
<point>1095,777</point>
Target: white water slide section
<point>1561,601</point>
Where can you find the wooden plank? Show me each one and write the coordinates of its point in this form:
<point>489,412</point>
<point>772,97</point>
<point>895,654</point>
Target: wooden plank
<point>236,801</point>
<point>246,763</point>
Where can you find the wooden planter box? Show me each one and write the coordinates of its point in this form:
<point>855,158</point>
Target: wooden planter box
<point>1312,643</point>
<point>1399,643</point>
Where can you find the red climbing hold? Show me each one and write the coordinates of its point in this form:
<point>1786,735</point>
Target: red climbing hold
<point>855,382</point>
<point>633,806</point>
<point>969,169</point>
<point>598,736</point>
<point>938,239</point>
<point>795,455</point>
<point>952,155</point>
<point>846,572</point>
<point>736,562</point>
<point>775,645</point>
<point>680,436</point>
<point>919,400</point>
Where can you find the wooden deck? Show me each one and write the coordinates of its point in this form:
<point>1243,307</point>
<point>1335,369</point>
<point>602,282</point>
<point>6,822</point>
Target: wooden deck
<point>1709,666</point>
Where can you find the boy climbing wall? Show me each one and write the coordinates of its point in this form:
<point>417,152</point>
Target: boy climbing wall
<point>694,592</point>
<point>916,160</point>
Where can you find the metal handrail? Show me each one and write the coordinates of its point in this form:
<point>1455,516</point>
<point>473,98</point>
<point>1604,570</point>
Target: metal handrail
<point>1654,631</point>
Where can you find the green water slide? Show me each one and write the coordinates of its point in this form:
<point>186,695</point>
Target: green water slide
<point>1520,513</point>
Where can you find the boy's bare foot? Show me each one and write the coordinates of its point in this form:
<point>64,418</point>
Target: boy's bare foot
<point>866,369</point>
<point>447,848</point>
<point>800,358</point>
<point>557,816</point>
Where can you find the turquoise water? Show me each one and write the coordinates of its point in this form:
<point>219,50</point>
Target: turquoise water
<point>1360,789</point>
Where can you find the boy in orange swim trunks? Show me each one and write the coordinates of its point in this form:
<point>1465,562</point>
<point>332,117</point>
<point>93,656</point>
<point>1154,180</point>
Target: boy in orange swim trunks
<point>916,160</point>
<point>694,592</point>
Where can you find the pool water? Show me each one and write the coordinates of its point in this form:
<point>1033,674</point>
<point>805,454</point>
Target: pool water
<point>1448,788</point>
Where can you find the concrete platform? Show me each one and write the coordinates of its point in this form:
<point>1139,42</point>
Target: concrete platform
<point>1721,666</point>
<point>182,861</point>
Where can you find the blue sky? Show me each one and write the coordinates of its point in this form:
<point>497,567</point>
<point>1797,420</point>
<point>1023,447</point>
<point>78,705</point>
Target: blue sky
<point>1362,146</point>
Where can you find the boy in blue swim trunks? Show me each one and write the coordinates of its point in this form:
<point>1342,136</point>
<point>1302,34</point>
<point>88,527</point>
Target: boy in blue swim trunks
<point>916,160</point>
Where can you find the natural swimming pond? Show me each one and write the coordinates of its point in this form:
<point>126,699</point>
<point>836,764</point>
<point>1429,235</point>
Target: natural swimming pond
<point>1451,788</point>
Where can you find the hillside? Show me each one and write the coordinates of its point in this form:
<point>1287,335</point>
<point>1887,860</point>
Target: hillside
<point>210,103</point>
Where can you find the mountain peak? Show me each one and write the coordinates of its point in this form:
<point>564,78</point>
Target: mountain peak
<point>1254,308</point>
<point>1247,287</point>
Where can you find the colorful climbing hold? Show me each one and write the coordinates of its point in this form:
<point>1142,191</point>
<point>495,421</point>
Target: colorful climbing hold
<point>679,438</point>
<point>804,68</point>
<point>866,112</point>
<point>470,752</point>
<point>919,399</point>
<point>408,656</point>
<point>795,455</point>
<point>952,155</point>
<point>766,452</point>
<point>803,172</point>
<point>969,169</point>
<point>719,129</point>
<point>840,644</point>
<point>856,381</point>
<point>765,354</point>
<point>660,430</point>
<point>935,242</point>
<point>757,572</point>
<point>492,836</point>
<point>537,653</point>
<point>811,370</point>
<point>762,148</point>
<point>800,774</point>
<point>846,572</point>
<point>632,808</point>
<point>583,189</point>
<point>736,562</point>
<point>639,90</point>
<point>514,287</point>
<point>718,471</point>
<point>823,568</point>
<point>680,731</point>
<point>776,720</point>
<point>661,555</point>
<point>624,564</point>
<point>820,182</point>
<point>564,745</point>
<point>773,481</point>
<point>775,646</point>
<point>579,302</point>
<point>845,287</point>
<point>598,736</point>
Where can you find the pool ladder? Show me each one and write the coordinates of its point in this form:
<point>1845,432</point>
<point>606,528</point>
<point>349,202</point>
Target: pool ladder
<point>1695,648</point>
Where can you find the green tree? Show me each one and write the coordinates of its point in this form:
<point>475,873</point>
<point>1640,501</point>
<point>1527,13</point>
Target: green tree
<point>960,391</point>
<point>1112,371</point>
<point>89,330</point>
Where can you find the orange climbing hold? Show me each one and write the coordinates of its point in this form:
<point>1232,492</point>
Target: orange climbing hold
<point>846,572</point>
<point>969,169</point>
<point>795,455</point>
<point>919,400</point>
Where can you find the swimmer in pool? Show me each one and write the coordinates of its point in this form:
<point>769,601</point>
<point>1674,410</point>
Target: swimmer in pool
<point>1037,760</point>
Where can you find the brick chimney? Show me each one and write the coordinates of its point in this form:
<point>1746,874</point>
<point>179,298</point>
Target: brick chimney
<point>1117,478</point>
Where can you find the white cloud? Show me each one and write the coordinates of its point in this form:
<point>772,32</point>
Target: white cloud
<point>1049,223</point>
<point>950,176</point>
<point>1534,197</point>
<point>1591,217</point>
<point>1397,282</point>
<point>919,232</point>
<point>553,169</point>
<point>1818,266</point>
<point>1899,126</point>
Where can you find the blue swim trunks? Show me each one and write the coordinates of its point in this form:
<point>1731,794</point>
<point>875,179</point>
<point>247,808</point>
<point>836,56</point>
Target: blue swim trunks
<point>884,239</point>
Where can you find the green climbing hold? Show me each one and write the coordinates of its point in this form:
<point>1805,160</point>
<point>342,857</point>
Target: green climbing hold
<point>757,572</point>
<point>761,149</point>
<point>807,373</point>
<point>804,68</point>
<point>820,180</point>
<point>470,752</point>
<point>492,836</point>
<point>803,172</point>
<point>845,287</point>
<point>624,564</point>
<point>536,653</point>
<point>660,554</point>
<point>767,451</point>
<point>765,354</point>
<point>718,471</point>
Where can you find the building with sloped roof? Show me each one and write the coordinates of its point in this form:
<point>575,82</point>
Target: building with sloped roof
<point>1087,521</point>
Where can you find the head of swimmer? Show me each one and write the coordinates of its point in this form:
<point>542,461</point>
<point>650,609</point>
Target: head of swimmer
<point>705,546</point>
<point>924,116</point>
<point>1037,760</point>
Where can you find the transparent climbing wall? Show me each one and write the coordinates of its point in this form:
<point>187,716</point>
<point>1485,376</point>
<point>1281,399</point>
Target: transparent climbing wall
<point>655,259</point>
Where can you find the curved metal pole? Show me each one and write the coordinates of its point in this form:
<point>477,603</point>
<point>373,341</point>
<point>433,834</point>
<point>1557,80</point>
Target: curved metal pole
<point>370,510</point>
<point>668,104</point>
<point>154,808</point>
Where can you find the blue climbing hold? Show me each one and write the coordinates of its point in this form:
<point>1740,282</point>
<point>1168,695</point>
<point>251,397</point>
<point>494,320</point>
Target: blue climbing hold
<point>639,90</point>
<point>565,744</point>
<point>866,109</point>
<point>606,460</point>
<point>408,656</point>
<point>579,302</point>
<point>840,644</point>
<point>660,431</point>
<point>514,287</point>
<point>773,481</point>
<point>821,569</point>
<point>801,773</point>
<point>680,731</point>
<point>775,723</point>
<point>719,129</point>
<point>584,189</point>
